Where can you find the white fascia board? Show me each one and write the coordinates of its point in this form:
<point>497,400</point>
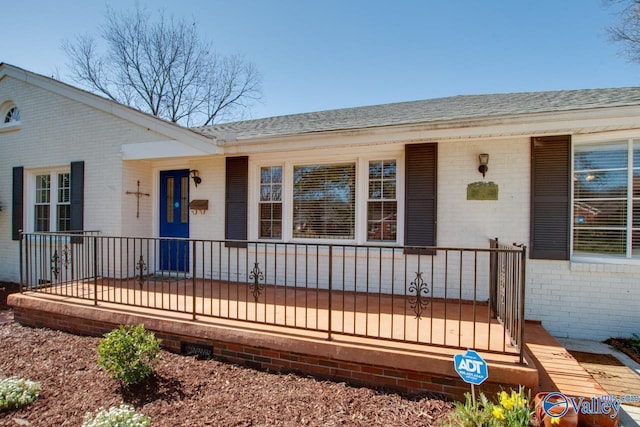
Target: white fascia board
<point>170,130</point>
<point>159,150</point>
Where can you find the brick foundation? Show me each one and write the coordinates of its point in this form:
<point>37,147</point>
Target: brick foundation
<point>356,365</point>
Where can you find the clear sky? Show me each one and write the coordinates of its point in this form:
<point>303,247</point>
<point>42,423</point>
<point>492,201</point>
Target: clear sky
<point>326,54</point>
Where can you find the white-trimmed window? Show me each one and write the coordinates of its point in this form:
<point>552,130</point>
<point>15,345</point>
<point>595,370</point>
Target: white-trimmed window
<point>324,201</point>
<point>345,198</point>
<point>9,116</point>
<point>382,205</point>
<point>606,199</point>
<point>52,202</point>
<point>12,115</point>
<point>270,205</point>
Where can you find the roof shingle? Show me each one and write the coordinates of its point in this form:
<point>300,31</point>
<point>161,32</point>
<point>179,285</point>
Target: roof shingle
<point>455,108</point>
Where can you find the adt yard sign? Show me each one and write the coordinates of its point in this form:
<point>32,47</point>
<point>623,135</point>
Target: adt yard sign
<point>471,367</point>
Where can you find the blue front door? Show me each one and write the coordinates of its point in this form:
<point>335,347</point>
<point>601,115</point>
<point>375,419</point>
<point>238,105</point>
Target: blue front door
<point>174,219</point>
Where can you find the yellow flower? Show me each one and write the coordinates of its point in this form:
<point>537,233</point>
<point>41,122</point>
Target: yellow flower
<point>508,403</point>
<point>498,413</point>
<point>555,420</point>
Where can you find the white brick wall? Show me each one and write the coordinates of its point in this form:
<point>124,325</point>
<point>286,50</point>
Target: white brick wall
<point>54,132</point>
<point>592,301</point>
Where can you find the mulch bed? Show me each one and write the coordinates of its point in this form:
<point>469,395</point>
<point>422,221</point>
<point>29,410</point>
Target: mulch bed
<point>188,392</point>
<point>622,344</point>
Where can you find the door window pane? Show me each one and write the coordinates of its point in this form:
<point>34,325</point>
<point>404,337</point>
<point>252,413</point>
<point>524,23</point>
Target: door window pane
<point>169,201</point>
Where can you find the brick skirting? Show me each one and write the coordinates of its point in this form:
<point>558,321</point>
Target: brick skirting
<point>356,365</point>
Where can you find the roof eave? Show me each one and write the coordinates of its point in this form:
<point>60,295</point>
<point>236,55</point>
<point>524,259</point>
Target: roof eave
<point>530,124</point>
<point>171,130</point>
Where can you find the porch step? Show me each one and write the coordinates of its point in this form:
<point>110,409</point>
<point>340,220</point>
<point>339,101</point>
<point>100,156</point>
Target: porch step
<point>558,369</point>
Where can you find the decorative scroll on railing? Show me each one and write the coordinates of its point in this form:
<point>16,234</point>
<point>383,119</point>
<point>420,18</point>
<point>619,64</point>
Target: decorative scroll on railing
<point>454,297</point>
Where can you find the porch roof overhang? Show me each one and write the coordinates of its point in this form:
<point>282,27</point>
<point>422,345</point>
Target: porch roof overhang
<point>164,149</point>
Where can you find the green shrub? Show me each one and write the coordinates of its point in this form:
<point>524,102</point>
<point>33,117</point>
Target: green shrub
<point>17,392</point>
<point>123,416</point>
<point>129,353</point>
<point>634,343</point>
<point>512,410</point>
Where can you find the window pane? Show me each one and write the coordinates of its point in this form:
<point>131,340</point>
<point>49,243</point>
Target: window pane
<point>389,190</point>
<point>64,217</point>
<point>382,214</point>
<point>609,242</point>
<point>636,243</point>
<point>603,184</point>
<point>276,192</point>
<point>271,183</point>
<point>265,175</point>
<point>324,201</point>
<point>609,156</point>
<point>43,184</point>
<point>375,170</point>
<point>41,218</point>
<point>63,188</point>
<point>382,221</point>
<point>600,214</point>
<point>270,220</point>
<point>390,169</point>
<point>169,201</point>
<point>265,192</point>
<point>636,214</point>
<point>601,198</point>
<point>375,190</point>
<point>270,226</point>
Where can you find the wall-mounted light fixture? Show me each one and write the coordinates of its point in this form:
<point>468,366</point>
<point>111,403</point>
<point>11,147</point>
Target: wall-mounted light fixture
<point>484,161</point>
<point>195,175</point>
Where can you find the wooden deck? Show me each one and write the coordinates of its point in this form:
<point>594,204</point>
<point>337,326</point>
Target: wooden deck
<point>447,323</point>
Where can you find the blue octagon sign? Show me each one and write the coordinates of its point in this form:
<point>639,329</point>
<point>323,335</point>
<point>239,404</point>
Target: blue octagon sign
<point>471,367</point>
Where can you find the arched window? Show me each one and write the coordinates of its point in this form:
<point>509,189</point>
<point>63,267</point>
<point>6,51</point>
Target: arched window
<point>12,115</point>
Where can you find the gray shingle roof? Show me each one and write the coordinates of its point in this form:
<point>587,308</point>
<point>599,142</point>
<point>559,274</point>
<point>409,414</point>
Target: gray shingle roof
<point>455,108</point>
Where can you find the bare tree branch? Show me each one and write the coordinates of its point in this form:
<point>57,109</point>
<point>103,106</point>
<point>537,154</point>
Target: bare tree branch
<point>627,31</point>
<point>162,67</point>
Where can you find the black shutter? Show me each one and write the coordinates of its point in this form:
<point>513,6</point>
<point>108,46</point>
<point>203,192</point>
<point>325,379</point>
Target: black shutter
<point>77,199</point>
<point>18,203</point>
<point>237,188</point>
<point>421,162</point>
<point>550,196</point>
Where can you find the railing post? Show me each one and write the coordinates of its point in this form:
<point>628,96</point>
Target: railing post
<point>330,284</point>
<point>21,261</point>
<point>95,270</point>
<point>523,277</point>
<point>193,278</point>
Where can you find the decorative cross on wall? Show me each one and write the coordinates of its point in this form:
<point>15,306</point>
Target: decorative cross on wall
<point>138,195</point>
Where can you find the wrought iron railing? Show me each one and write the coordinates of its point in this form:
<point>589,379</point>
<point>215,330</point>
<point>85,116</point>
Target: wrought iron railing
<point>508,277</point>
<point>436,296</point>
